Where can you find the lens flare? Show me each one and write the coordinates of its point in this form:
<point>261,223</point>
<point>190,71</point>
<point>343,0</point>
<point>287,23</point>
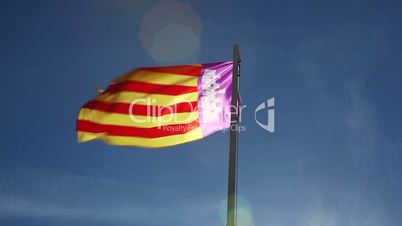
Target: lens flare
<point>170,32</point>
<point>244,212</point>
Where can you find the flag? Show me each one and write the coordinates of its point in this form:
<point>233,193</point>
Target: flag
<point>160,106</point>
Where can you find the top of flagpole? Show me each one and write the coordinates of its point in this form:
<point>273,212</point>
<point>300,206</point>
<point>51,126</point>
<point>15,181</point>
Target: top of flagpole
<point>236,48</point>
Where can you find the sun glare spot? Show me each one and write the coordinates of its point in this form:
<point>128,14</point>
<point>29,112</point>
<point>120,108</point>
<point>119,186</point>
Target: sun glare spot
<point>244,212</point>
<point>170,32</point>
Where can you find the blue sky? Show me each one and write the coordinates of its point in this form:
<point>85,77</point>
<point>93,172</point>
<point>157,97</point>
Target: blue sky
<point>334,68</point>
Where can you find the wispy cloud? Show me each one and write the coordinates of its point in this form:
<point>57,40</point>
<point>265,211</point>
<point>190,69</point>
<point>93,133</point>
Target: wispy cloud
<point>17,207</point>
<point>33,193</point>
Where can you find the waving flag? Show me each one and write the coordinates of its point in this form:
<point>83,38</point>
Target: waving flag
<point>160,106</point>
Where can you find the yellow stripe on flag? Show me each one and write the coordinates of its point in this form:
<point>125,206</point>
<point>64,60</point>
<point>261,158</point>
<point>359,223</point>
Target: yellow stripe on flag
<point>136,120</point>
<point>159,78</point>
<point>192,135</point>
<point>147,99</point>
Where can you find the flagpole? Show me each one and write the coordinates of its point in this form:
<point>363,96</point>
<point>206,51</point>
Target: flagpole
<point>231,201</point>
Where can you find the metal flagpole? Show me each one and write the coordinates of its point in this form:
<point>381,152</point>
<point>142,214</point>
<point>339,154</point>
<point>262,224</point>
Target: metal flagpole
<point>231,205</point>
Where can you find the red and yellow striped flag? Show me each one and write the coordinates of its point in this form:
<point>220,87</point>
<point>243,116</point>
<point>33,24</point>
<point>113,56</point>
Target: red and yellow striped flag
<point>160,106</point>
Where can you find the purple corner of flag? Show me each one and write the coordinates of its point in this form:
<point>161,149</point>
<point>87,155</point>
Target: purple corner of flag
<point>214,97</point>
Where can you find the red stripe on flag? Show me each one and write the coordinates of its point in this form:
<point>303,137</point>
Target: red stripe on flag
<point>193,70</point>
<point>153,132</point>
<point>143,87</point>
<point>139,109</point>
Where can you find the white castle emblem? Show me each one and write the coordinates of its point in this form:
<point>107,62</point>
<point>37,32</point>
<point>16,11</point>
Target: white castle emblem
<point>212,96</point>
